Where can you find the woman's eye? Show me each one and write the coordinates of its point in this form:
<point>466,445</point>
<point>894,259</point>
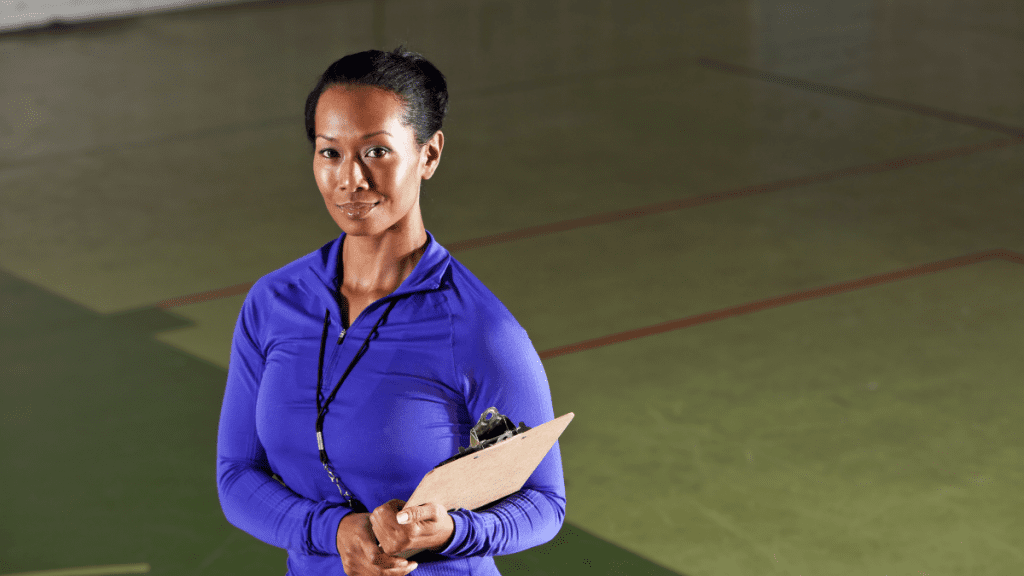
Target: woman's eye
<point>377,152</point>
<point>329,153</point>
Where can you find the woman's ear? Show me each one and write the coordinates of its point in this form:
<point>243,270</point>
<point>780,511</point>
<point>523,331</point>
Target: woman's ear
<point>431,155</point>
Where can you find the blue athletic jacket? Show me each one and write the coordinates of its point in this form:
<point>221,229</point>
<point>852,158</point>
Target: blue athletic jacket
<point>447,351</point>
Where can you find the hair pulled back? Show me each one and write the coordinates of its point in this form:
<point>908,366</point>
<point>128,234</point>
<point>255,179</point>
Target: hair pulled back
<point>419,84</point>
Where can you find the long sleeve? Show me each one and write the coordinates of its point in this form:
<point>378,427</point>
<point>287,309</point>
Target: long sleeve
<point>447,351</point>
<point>501,368</point>
<point>520,521</point>
<point>251,498</point>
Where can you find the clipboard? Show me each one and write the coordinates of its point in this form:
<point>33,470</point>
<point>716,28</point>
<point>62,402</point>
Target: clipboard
<point>480,478</point>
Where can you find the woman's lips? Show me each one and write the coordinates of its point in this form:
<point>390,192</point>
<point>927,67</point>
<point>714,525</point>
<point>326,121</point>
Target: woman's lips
<point>357,210</point>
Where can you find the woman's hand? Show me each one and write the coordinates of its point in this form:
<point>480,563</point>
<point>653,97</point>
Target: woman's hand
<point>360,554</point>
<point>424,527</point>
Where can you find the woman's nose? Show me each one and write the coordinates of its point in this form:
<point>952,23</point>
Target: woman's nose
<point>353,176</point>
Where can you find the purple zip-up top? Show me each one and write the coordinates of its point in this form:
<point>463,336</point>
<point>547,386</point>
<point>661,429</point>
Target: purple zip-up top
<point>447,351</point>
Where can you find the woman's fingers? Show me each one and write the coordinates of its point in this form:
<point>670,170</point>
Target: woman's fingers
<point>391,565</point>
<point>423,513</point>
<point>360,554</point>
<point>389,533</point>
<point>396,568</point>
<point>386,565</point>
<point>414,528</point>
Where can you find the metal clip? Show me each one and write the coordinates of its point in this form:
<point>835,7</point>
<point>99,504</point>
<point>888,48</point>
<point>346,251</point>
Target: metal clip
<point>491,428</point>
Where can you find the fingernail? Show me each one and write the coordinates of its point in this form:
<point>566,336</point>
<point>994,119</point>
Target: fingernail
<point>402,517</point>
<point>412,566</point>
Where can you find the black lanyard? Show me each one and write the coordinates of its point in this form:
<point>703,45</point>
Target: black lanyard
<point>321,409</point>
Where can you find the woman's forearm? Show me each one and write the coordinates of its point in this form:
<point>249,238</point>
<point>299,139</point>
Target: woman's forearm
<point>256,503</point>
<point>522,520</point>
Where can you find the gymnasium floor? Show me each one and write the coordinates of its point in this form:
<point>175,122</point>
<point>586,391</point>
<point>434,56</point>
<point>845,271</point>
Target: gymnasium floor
<point>771,252</point>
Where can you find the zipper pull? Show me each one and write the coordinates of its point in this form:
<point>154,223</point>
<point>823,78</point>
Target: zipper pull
<point>341,336</point>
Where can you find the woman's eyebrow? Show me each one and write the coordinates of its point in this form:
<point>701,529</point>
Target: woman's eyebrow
<point>364,137</point>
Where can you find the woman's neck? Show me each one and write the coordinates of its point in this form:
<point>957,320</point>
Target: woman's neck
<point>377,265</point>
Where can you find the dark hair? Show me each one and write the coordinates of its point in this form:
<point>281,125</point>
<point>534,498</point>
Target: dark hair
<point>419,84</point>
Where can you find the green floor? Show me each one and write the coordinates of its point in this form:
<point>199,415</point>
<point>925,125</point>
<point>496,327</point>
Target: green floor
<point>868,430</point>
<point>116,467</point>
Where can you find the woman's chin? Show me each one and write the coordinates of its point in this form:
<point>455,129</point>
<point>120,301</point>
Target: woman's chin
<point>360,231</point>
<point>358,226</point>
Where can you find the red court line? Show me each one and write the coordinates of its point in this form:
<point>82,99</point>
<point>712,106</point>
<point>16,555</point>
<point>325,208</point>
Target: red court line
<point>757,306</point>
<point>639,211</point>
<point>861,96</point>
<point>205,296</point>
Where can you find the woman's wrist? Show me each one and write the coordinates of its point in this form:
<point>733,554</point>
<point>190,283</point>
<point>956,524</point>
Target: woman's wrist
<point>349,523</point>
<point>448,541</point>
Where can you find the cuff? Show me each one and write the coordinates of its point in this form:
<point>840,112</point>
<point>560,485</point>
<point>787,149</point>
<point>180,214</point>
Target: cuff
<point>324,528</point>
<point>459,533</point>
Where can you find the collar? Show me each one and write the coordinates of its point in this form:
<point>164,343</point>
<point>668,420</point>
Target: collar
<point>426,275</point>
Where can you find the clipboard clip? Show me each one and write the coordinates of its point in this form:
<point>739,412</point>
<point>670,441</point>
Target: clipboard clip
<point>491,428</point>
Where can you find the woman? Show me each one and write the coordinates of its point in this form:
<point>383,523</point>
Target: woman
<point>357,368</point>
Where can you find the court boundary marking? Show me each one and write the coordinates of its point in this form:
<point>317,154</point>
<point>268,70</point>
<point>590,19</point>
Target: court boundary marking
<point>792,298</point>
<point>858,96</point>
<point>656,208</point>
<point>107,570</point>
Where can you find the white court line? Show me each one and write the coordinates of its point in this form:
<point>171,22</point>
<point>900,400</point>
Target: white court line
<point>89,571</point>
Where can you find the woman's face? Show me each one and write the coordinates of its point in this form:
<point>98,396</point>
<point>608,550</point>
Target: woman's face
<point>367,163</point>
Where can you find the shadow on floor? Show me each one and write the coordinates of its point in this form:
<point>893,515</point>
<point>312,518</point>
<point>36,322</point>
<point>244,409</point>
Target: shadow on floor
<point>109,449</point>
